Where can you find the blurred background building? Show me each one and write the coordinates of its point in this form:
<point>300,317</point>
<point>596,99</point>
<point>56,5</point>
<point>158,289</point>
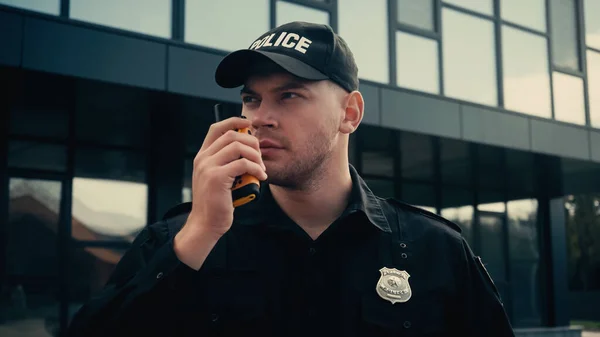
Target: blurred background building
<point>486,112</point>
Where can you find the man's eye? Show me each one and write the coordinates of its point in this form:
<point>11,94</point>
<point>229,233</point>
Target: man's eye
<point>248,99</point>
<point>289,95</point>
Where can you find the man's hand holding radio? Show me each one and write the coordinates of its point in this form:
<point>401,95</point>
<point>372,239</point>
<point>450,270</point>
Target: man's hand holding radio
<point>225,154</point>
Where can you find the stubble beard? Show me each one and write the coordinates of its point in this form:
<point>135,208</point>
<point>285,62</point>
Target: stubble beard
<point>304,172</point>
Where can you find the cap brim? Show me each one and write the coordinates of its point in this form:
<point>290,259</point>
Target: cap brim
<point>235,68</point>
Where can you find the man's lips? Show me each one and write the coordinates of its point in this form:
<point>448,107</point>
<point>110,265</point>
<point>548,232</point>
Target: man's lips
<point>269,144</point>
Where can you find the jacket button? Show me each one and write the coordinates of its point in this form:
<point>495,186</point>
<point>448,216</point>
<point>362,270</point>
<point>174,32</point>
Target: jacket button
<point>214,317</point>
<point>159,275</point>
<point>403,245</point>
<point>406,324</point>
<point>404,256</point>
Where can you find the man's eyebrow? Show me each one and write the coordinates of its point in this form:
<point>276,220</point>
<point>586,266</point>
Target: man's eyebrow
<point>248,91</point>
<point>290,85</point>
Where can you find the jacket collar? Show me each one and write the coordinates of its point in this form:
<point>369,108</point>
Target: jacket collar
<point>362,200</point>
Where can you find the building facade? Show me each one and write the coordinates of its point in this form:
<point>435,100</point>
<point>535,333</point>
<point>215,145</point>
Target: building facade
<point>486,112</point>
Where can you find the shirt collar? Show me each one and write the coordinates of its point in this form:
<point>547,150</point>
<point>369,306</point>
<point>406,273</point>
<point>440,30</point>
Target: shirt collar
<point>361,200</point>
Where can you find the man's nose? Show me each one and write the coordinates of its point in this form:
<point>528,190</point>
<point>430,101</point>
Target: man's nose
<point>263,117</point>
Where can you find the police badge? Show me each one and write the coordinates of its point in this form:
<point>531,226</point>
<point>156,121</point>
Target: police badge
<point>393,285</point>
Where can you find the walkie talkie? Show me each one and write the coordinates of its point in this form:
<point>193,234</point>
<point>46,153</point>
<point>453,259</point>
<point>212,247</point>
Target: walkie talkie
<point>245,188</point>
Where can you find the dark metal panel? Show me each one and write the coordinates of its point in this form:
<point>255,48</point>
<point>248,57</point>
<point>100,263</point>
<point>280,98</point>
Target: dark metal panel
<point>419,113</point>
<point>495,128</point>
<point>11,37</point>
<point>595,145</point>
<point>192,72</point>
<point>84,52</point>
<point>559,139</point>
<point>372,105</point>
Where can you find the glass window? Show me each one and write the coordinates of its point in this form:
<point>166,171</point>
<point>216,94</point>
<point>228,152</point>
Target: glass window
<point>416,156</point>
<point>103,108</point>
<point>40,109</point>
<point>481,6</point>
<point>288,12</point>
<point>564,34</point>
<point>30,280</point>
<point>381,188</point>
<point>416,13</point>
<point>208,22</point>
<point>526,76</point>
<point>420,195</point>
<point>457,206</point>
<point>592,24</point>
<point>583,223</point>
<point>490,166</point>
<point>593,70</point>
<point>469,58</point>
<point>89,270</point>
<point>37,156</point>
<point>47,6</point>
<point>530,13</point>
<point>524,255</point>
<point>568,98</point>
<point>491,201</point>
<point>492,246</point>
<point>455,162</point>
<point>367,37</point>
<point>377,149</point>
<point>520,168</point>
<point>417,63</point>
<point>151,17</point>
<point>110,195</point>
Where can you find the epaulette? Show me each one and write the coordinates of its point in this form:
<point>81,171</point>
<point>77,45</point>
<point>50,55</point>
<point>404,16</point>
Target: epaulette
<point>426,213</point>
<point>182,208</point>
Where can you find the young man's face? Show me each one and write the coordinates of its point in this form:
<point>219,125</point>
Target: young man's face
<point>297,123</point>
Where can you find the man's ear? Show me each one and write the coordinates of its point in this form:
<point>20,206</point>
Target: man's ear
<point>353,112</point>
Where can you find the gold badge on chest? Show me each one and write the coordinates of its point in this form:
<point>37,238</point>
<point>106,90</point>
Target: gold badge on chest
<point>393,285</point>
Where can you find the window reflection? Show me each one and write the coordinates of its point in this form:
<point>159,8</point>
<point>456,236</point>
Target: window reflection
<point>47,6</point>
<point>151,17</point>
<point>593,70</point>
<point>455,161</point>
<point>524,261</point>
<point>108,210</point>
<point>526,77</point>
<point>592,24</point>
<point>457,206</point>
<point>203,16</point>
<point>417,63</point>
<point>377,151</point>
<point>469,58</point>
<point>288,12</point>
<point>367,37</point>
<point>416,156</point>
<point>481,6</point>
<point>492,245</point>
<point>530,13</point>
<point>564,34</point>
<point>416,13</point>
<point>110,195</point>
<point>568,98</point>
<point>28,300</point>
<point>583,244</point>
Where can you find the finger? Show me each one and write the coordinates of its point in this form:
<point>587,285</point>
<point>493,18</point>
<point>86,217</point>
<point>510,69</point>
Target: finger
<point>230,137</point>
<point>233,151</point>
<point>244,166</point>
<point>216,130</point>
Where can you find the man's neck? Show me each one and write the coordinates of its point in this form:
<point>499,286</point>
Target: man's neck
<point>319,205</point>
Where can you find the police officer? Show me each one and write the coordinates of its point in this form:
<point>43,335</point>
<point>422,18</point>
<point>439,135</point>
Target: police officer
<point>317,253</point>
